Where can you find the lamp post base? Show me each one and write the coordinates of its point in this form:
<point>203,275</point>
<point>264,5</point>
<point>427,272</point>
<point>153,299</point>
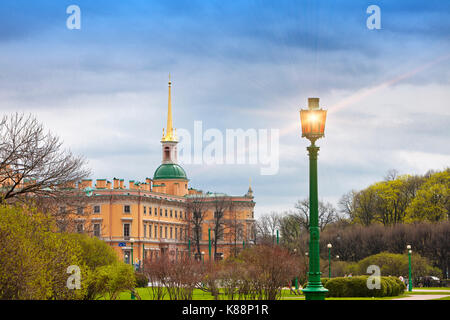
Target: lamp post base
<point>315,292</point>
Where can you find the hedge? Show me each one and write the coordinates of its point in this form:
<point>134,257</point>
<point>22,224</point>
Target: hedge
<point>357,287</point>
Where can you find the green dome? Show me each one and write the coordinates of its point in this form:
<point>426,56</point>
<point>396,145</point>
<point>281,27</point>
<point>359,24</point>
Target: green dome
<point>169,171</point>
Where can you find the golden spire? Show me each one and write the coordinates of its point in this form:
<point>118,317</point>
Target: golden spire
<point>170,136</point>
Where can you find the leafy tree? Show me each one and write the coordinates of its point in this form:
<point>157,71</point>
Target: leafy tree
<point>34,259</point>
<point>432,202</point>
<point>110,280</point>
<point>392,264</point>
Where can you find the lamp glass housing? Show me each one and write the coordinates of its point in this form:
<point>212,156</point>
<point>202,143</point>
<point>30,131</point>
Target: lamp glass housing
<point>313,123</point>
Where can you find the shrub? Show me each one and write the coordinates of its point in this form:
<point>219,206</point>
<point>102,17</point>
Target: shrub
<point>357,287</point>
<point>141,280</point>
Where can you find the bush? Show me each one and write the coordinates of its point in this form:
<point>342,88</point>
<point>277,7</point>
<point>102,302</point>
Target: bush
<point>141,280</point>
<point>357,287</point>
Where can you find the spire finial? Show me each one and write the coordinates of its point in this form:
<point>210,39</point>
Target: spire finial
<point>169,136</point>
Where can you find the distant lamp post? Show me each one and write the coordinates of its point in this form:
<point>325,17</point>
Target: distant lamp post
<point>410,273</point>
<point>337,257</point>
<point>209,243</point>
<point>131,243</point>
<point>296,278</point>
<point>132,264</point>
<point>329,246</point>
<point>203,256</point>
<point>313,128</point>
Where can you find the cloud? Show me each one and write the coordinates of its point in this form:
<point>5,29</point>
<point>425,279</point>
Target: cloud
<point>103,89</point>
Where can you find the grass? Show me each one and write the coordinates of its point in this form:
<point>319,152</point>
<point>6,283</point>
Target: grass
<point>433,288</point>
<point>146,294</point>
<point>445,298</point>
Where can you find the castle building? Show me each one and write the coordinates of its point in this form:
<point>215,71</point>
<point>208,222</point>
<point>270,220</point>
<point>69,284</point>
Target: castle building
<point>163,215</point>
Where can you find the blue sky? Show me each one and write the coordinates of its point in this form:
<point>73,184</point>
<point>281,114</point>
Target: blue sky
<point>236,64</point>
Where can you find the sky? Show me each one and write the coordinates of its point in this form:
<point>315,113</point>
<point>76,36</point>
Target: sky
<point>247,65</point>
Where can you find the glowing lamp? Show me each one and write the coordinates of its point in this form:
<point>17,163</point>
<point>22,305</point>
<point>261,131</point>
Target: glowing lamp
<point>313,120</point>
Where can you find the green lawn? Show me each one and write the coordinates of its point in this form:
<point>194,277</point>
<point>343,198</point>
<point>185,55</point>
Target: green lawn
<point>146,294</point>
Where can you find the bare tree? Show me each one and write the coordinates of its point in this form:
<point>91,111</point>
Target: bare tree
<point>347,205</point>
<point>266,227</point>
<point>220,203</point>
<point>196,208</point>
<point>33,162</point>
<point>327,213</point>
<point>234,227</point>
<point>391,175</point>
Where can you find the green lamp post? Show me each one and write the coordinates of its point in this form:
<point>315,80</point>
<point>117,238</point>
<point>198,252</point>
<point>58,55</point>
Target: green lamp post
<point>296,278</point>
<point>410,274</point>
<point>209,243</point>
<point>278,237</point>
<point>329,246</point>
<point>313,128</point>
<point>132,264</point>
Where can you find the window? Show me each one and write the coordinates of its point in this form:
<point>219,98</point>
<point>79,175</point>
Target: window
<point>126,231</point>
<point>97,229</point>
<point>156,232</point>
<point>126,208</point>
<point>156,211</point>
<point>150,231</point>
<point>160,212</point>
<point>145,210</point>
<point>171,213</point>
<point>80,210</point>
<point>149,211</point>
<point>176,215</point>
<point>181,234</point>
<point>165,212</point>
<point>96,209</point>
<point>171,232</point>
<point>165,232</point>
<point>62,209</point>
<point>160,232</point>
<point>145,230</point>
<point>80,227</point>
<point>176,233</point>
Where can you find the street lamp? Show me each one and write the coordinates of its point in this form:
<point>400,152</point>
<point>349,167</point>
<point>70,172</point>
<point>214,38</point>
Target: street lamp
<point>203,256</point>
<point>313,128</point>
<point>131,243</point>
<point>132,264</point>
<point>209,243</point>
<point>329,260</point>
<point>296,277</point>
<point>409,276</point>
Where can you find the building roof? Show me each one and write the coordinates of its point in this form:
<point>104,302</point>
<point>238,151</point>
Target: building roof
<point>170,171</point>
